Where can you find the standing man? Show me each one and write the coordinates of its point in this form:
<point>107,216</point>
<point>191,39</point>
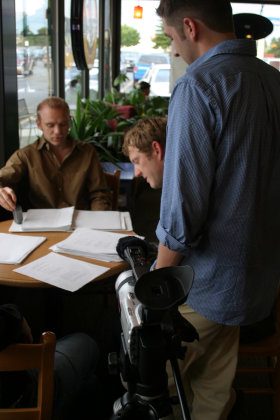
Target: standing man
<point>57,170</point>
<point>220,201</point>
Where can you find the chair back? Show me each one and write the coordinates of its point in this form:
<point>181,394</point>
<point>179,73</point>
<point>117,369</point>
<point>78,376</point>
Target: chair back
<point>113,181</point>
<point>22,109</point>
<point>20,357</point>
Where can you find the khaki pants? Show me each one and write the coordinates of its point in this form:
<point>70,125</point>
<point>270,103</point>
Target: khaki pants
<point>209,368</point>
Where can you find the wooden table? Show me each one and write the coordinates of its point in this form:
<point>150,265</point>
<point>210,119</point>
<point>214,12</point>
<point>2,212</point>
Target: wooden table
<point>8,277</point>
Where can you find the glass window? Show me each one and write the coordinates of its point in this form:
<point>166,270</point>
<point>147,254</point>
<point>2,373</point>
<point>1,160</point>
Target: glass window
<point>162,76</point>
<point>269,47</point>
<point>139,36</point>
<point>150,59</point>
<point>137,42</point>
<point>94,71</point>
<point>72,76</point>
<point>34,64</point>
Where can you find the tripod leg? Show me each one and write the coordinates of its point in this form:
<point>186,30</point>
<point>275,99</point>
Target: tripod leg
<point>180,389</point>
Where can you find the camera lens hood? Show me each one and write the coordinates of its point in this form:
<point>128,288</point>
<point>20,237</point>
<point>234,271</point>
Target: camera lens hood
<point>164,288</point>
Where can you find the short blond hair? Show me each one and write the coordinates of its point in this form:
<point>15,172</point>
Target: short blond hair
<point>143,133</point>
<point>53,102</point>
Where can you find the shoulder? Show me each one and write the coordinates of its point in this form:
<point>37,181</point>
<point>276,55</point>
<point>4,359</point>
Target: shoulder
<point>85,147</point>
<point>25,152</point>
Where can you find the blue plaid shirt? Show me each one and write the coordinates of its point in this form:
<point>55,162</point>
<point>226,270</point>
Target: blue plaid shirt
<point>220,204</point>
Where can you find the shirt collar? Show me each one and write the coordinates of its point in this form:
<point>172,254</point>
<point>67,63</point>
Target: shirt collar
<point>232,46</point>
<point>43,143</point>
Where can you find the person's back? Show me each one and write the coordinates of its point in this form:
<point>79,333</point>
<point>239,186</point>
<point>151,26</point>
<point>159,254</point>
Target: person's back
<point>242,232</point>
<point>220,192</point>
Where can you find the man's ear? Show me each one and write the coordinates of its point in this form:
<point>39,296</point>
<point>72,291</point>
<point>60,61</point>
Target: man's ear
<point>190,28</point>
<point>38,122</point>
<point>158,149</point>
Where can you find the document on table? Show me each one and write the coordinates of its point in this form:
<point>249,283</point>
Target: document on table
<point>63,272</point>
<point>67,219</point>
<point>103,220</point>
<point>45,220</point>
<point>15,248</point>
<point>90,243</point>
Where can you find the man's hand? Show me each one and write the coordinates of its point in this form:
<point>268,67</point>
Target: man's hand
<point>8,198</point>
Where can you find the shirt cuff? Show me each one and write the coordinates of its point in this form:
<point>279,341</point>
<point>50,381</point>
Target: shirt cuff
<point>168,241</point>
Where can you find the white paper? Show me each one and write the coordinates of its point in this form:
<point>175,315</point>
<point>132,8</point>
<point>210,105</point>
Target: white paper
<point>102,220</point>
<point>90,243</point>
<point>15,248</point>
<point>45,220</point>
<point>63,272</point>
<point>92,219</point>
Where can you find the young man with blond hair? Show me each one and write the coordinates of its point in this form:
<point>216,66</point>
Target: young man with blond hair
<point>144,144</point>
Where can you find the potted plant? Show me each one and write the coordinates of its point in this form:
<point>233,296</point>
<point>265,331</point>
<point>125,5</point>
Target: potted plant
<point>103,123</point>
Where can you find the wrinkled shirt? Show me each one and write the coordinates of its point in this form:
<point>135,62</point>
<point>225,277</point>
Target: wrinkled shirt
<point>78,181</point>
<point>220,205</point>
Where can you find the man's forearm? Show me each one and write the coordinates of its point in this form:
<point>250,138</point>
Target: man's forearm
<point>166,257</point>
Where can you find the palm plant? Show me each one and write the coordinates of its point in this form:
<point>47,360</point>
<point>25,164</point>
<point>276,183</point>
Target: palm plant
<point>99,122</point>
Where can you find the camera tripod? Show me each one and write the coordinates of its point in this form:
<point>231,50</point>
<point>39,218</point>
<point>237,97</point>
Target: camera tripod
<point>147,396</point>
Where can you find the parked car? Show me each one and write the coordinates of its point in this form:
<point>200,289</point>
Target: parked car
<point>25,62</point>
<point>128,59</point>
<point>145,61</point>
<point>72,74</point>
<point>158,76</point>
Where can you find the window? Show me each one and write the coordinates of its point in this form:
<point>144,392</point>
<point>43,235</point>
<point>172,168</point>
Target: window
<point>162,76</point>
<point>269,47</point>
<point>72,76</point>
<point>34,64</point>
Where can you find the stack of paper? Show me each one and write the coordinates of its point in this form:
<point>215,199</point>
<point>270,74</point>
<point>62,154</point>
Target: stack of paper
<point>103,220</point>
<point>41,220</point>
<point>15,248</point>
<point>44,220</point>
<point>60,271</point>
<point>99,245</point>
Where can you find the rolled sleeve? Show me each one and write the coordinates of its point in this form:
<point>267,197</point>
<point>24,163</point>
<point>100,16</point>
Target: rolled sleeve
<point>189,168</point>
<point>169,241</point>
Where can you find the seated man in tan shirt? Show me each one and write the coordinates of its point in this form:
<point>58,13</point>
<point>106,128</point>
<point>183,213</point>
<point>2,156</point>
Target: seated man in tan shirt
<point>56,170</point>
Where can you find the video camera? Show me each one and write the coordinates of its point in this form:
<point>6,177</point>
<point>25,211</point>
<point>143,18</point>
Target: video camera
<point>152,331</point>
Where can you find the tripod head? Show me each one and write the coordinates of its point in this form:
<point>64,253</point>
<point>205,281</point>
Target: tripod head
<point>152,329</point>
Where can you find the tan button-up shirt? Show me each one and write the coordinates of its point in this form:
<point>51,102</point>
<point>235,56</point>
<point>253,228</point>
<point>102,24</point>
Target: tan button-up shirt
<point>78,181</point>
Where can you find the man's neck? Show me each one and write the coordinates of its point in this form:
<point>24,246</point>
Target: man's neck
<point>211,39</point>
<point>62,150</point>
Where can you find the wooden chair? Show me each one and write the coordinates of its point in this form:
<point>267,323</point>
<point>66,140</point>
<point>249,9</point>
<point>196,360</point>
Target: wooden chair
<point>19,357</point>
<point>113,181</point>
<point>263,357</point>
<point>24,117</point>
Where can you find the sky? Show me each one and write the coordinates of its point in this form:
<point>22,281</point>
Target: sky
<point>30,7</point>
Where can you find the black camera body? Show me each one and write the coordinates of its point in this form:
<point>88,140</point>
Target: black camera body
<point>152,331</point>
